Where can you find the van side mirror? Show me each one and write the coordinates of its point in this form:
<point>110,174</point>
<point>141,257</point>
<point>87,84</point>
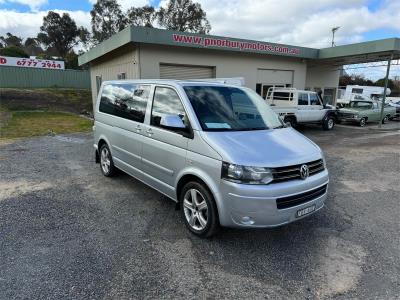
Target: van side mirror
<point>172,121</point>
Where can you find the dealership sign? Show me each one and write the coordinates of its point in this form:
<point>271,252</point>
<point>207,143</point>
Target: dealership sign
<point>31,63</point>
<point>234,44</point>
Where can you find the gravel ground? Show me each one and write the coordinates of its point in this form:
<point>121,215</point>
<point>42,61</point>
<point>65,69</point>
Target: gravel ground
<point>67,232</point>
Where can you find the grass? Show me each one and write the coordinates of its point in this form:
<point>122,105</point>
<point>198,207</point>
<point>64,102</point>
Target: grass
<point>22,124</point>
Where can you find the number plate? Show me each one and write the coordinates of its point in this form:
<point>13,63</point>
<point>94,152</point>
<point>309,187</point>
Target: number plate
<point>305,211</point>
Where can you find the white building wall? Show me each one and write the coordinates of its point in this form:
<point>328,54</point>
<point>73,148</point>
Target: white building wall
<point>322,77</point>
<point>123,60</point>
<point>227,64</point>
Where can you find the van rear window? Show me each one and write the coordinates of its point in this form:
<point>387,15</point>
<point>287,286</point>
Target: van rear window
<point>283,96</point>
<point>128,101</point>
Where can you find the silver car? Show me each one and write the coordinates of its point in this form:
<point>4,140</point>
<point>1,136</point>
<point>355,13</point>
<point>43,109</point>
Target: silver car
<point>218,151</point>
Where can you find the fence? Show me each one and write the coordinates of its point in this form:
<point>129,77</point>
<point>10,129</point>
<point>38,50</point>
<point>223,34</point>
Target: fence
<point>20,77</point>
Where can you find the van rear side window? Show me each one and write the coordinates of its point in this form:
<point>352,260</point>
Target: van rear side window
<point>283,96</point>
<point>128,101</point>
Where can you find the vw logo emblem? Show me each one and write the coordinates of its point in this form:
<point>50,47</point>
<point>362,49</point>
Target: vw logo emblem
<point>304,172</point>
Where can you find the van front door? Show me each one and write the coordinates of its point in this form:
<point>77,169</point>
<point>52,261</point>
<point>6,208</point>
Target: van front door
<point>164,149</point>
<point>316,110</point>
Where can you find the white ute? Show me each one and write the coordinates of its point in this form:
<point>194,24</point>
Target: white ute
<point>299,107</point>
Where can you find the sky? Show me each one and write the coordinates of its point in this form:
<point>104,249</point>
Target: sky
<point>295,22</point>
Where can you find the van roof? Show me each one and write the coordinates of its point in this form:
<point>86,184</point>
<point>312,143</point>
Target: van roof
<point>169,82</point>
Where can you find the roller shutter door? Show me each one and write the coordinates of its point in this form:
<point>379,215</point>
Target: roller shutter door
<point>184,72</point>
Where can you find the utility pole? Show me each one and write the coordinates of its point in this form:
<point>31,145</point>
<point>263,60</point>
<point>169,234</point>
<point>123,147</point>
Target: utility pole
<point>334,29</point>
<point>384,90</point>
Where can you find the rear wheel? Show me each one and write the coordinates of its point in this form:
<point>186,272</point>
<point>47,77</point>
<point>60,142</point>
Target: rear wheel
<point>363,122</point>
<point>328,123</point>
<point>198,209</point>
<point>106,162</point>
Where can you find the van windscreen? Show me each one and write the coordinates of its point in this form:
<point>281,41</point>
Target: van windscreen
<point>223,108</point>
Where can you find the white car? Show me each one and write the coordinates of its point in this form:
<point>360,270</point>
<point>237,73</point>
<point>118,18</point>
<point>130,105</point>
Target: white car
<point>301,106</point>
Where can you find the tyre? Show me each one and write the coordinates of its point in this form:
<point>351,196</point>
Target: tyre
<point>328,123</point>
<point>385,119</point>
<point>198,209</point>
<point>363,122</point>
<point>290,122</point>
<point>106,162</point>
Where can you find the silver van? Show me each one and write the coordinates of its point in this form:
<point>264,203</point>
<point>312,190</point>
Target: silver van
<point>218,151</point>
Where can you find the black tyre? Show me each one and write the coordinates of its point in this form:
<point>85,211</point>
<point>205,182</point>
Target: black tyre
<point>198,209</point>
<point>363,122</point>
<point>385,119</point>
<point>106,162</point>
<point>290,121</point>
<point>328,123</point>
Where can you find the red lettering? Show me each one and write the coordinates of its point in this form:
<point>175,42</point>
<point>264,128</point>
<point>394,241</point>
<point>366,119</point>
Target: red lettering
<point>3,61</point>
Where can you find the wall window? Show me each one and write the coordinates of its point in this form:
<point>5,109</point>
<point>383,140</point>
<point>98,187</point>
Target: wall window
<point>127,101</point>
<point>303,99</point>
<point>166,102</point>
<point>356,91</point>
<point>121,76</point>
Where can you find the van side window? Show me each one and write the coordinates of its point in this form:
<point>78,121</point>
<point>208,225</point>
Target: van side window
<point>303,99</point>
<point>283,96</point>
<point>166,102</point>
<point>314,99</point>
<point>128,101</point>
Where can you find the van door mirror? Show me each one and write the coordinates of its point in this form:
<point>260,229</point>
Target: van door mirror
<point>172,121</point>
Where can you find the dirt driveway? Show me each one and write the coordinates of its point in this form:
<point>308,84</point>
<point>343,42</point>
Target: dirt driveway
<point>67,232</point>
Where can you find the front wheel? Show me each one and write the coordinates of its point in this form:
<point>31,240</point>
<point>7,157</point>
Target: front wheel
<point>198,209</point>
<point>328,123</point>
<point>385,120</point>
<point>291,122</point>
<point>363,122</point>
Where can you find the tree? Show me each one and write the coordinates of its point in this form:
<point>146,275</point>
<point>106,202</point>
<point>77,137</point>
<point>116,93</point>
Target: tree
<point>184,15</point>
<point>13,51</point>
<point>142,16</point>
<point>11,40</point>
<point>381,82</point>
<point>59,32</point>
<point>354,79</point>
<point>107,19</point>
<point>32,47</point>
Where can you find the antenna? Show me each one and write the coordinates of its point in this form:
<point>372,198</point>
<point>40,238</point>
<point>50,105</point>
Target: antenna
<point>334,29</point>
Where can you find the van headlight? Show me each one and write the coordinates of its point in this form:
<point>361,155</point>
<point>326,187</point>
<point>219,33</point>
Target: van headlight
<point>246,175</point>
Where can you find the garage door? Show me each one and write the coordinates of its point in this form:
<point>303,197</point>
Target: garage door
<point>168,71</point>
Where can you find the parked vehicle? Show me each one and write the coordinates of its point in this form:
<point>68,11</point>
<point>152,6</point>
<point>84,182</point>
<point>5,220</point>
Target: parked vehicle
<point>371,92</point>
<point>396,105</point>
<point>343,102</point>
<point>299,107</point>
<point>363,111</point>
<point>219,151</point>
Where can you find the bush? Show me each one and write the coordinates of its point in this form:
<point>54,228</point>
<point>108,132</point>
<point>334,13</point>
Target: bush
<point>13,51</point>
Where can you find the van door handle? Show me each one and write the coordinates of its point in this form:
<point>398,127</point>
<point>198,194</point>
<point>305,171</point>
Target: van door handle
<point>138,128</point>
<point>149,132</point>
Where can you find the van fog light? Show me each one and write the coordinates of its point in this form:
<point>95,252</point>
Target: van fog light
<point>247,221</point>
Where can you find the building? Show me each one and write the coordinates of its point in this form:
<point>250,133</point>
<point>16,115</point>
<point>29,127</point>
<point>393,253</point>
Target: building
<point>141,52</point>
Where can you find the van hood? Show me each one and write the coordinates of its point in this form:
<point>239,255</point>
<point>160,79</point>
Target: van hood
<point>263,148</point>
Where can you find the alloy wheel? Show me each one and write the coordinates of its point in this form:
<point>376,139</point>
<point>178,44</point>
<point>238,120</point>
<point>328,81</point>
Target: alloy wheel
<point>195,209</point>
<point>105,160</point>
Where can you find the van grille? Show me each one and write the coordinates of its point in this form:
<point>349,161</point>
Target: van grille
<point>293,172</point>
<point>287,202</point>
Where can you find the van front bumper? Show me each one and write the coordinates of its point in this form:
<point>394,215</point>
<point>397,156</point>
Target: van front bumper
<point>255,206</point>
